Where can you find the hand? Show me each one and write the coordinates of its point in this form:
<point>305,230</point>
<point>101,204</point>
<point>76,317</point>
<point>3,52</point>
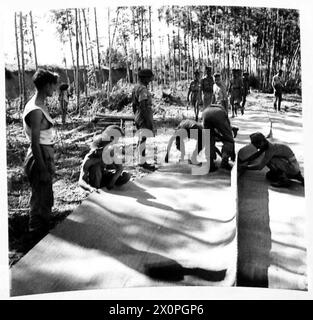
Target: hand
<point>110,186</point>
<point>94,190</point>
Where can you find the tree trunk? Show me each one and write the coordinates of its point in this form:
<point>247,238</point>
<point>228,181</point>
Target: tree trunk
<point>71,44</point>
<point>24,93</point>
<point>127,59</point>
<point>192,48</point>
<point>135,61</point>
<point>98,49</point>
<point>85,77</point>
<point>179,51</point>
<point>18,63</point>
<point>141,37</point>
<point>77,65</point>
<point>110,47</point>
<point>214,30</point>
<point>109,37</point>
<point>33,36</point>
<point>150,36</point>
<point>91,51</point>
<point>174,50</point>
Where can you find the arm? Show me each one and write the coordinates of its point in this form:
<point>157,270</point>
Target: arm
<point>83,177</point>
<point>260,162</point>
<point>118,172</point>
<point>169,146</point>
<point>188,94</point>
<point>35,117</point>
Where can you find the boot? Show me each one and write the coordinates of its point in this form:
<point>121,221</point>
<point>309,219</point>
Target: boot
<point>225,164</point>
<point>148,166</point>
<point>299,177</point>
<point>213,167</point>
<point>281,183</point>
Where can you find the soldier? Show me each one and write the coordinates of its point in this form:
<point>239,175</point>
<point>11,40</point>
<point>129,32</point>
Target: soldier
<point>277,84</point>
<point>216,119</point>
<point>279,158</point>
<point>142,108</point>
<point>219,92</point>
<point>206,85</point>
<point>64,99</point>
<point>39,162</point>
<point>246,90</point>
<point>194,93</point>
<point>235,91</point>
<point>95,173</point>
<point>183,130</point>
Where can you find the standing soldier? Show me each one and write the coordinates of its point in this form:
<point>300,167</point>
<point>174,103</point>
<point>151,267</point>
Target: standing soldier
<point>207,88</point>
<point>235,91</point>
<point>219,92</point>
<point>39,162</point>
<point>64,99</point>
<point>246,90</point>
<point>195,91</point>
<point>142,108</point>
<point>277,84</point>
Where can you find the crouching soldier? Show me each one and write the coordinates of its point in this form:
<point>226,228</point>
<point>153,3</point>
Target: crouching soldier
<point>184,129</point>
<point>95,173</point>
<point>215,118</point>
<point>279,158</point>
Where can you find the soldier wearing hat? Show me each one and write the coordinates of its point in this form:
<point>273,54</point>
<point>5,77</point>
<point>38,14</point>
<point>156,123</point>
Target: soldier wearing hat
<point>194,94</point>
<point>206,85</point>
<point>95,173</point>
<point>278,85</point>
<point>279,158</point>
<point>235,91</point>
<point>142,108</point>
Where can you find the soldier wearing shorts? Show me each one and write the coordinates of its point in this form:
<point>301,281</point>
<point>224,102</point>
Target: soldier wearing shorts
<point>277,84</point>
<point>39,162</point>
<point>95,173</point>
<point>142,108</point>
<point>216,119</point>
<point>207,88</point>
<point>194,94</point>
<point>246,90</point>
<point>235,91</point>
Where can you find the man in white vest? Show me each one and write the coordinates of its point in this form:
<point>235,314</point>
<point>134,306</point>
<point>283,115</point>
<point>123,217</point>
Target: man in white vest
<point>39,162</point>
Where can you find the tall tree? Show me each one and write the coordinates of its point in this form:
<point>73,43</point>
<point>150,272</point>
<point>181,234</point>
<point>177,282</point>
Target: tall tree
<point>18,62</point>
<point>77,63</point>
<point>24,93</point>
<point>98,47</point>
<point>33,38</point>
<point>85,77</point>
<point>69,28</point>
<point>90,48</point>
